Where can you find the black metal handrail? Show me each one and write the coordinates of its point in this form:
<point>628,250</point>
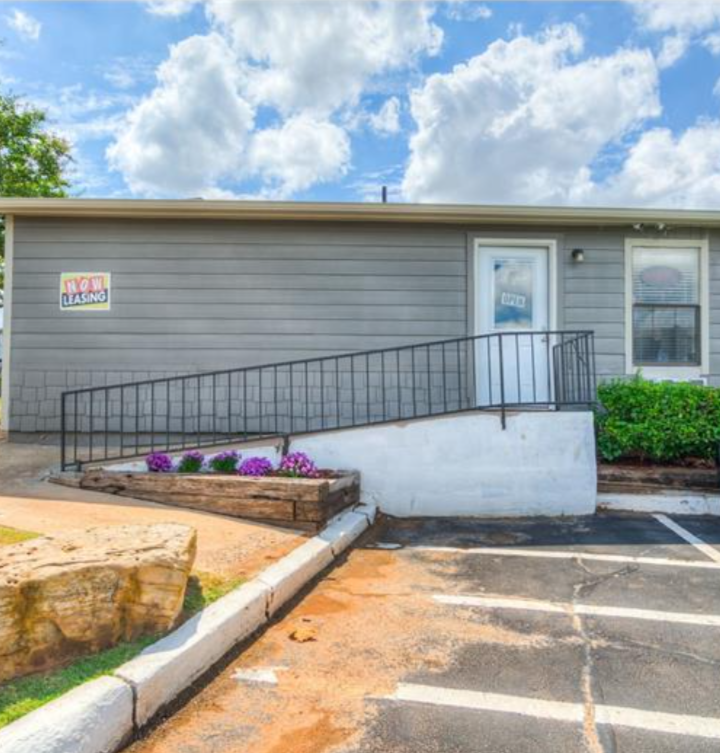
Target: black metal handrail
<point>499,371</point>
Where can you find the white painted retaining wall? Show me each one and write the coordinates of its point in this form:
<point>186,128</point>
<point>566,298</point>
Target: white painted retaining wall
<point>466,465</point>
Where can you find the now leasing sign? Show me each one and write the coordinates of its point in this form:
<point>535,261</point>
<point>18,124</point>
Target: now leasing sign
<point>85,291</point>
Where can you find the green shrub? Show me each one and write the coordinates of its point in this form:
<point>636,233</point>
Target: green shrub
<point>664,422</point>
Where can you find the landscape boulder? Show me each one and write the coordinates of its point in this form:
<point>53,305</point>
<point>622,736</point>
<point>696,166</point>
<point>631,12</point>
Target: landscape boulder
<point>67,595</point>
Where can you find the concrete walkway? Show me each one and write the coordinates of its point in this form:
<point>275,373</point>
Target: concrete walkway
<point>226,546</point>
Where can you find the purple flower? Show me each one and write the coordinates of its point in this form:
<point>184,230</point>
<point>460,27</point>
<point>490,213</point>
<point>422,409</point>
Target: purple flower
<point>191,462</point>
<point>225,462</point>
<point>298,465</point>
<point>255,467</point>
<point>159,462</point>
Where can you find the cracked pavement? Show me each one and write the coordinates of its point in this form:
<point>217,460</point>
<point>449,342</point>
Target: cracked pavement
<point>414,644</point>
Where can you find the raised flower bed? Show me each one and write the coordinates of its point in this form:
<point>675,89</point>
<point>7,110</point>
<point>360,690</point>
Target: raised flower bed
<point>655,436</point>
<point>296,492</point>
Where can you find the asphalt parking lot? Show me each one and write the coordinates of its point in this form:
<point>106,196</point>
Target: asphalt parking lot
<point>597,634</point>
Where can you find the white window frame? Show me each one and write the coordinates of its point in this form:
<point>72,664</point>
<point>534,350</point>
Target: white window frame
<point>551,245</point>
<point>671,372</point>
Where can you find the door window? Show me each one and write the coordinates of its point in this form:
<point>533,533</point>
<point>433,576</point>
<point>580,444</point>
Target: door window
<point>513,294</point>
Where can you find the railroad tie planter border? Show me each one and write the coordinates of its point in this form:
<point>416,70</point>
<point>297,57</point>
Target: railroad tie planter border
<point>302,502</point>
<point>619,478</point>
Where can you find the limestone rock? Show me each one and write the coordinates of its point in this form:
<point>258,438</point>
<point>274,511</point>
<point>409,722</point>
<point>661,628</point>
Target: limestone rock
<point>73,594</point>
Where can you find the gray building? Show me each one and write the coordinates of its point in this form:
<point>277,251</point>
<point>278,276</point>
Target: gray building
<point>108,291</point>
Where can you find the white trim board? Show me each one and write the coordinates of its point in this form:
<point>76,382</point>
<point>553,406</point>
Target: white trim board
<point>7,320</point>
<point>670,372</point>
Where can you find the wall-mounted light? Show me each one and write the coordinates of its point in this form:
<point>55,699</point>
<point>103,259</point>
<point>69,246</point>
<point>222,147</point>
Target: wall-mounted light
<point>578,255</point>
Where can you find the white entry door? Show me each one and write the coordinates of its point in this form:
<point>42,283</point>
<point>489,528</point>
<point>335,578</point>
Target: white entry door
<point>512,300</point>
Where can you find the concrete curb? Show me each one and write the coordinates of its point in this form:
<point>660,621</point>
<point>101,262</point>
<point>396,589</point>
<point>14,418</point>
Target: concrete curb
<point>96,717</point>
<point>670,503</point>
<point>172,664</point>
<point>101,716</point>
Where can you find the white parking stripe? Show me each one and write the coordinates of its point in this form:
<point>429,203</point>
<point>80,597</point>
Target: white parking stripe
<point>591,610</point>
<point>264,675</point>
<point>509,552</point>
<point>673,724</point>
<point>691,538</point>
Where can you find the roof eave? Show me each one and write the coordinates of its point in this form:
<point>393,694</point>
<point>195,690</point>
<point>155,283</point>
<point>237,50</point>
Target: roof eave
<point>349,212</point>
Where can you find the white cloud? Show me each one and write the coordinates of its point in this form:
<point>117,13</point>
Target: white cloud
<point>687,16</point>
<point>663,169</point>
<point>192,130</point>
<point>320,55</point>
<point>24,25</point>
<point>386,120</point>
<point>79,114</point>
<point>712,43</point>
<point>301,152</point>
<point>683,22</point>
<point>672,49</point>
<point>309,62</point>
<point>170,7</point>
<point>523,121</point>
<point>467,10</point>
<point>128,72</point>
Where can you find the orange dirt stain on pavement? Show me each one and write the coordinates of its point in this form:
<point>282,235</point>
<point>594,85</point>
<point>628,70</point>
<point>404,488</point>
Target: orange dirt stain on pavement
<point>374,623</point>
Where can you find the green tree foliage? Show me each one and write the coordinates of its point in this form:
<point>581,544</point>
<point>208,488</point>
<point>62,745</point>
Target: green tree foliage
<point>33,160</point>
<point>665,422</point>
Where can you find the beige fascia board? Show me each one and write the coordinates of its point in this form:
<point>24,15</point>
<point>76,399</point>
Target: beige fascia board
<point>348,212</point>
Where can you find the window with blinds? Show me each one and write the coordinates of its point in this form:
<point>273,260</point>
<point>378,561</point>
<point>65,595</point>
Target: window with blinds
<point>666,306</point>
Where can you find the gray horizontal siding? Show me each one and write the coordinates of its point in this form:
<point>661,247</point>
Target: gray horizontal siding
<point>157,269</point>
<point>260,234</point>
<point>374,280</point>
<point>187,296</point>
<point>594,294</point>
<point>245,251</point>
<point>199,296</point>
<point>261,311</point>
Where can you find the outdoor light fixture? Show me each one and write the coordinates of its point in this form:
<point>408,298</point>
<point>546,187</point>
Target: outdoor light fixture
<point>578,255</point>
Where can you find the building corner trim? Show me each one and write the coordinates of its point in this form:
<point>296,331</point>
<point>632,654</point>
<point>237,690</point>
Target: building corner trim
<point>7,333</point>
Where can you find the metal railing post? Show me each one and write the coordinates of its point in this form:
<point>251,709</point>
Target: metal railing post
<point>502,381</point>
<point>63,434</point>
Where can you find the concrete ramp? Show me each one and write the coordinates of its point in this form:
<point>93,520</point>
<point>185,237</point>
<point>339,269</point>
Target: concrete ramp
<point>543,463</point>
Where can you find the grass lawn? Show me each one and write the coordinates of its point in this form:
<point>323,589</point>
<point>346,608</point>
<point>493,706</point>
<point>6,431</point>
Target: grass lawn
<point>19,697</point>
<point>15,536</point>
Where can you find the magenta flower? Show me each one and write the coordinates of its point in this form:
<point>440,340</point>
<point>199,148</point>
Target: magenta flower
<point>255,467</point>
<point>191,462</point>
<point>298,465</point>
<point>225,462</point>
<point>159,462</point>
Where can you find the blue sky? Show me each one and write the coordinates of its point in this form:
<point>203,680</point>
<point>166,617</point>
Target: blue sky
<point>495,102</point>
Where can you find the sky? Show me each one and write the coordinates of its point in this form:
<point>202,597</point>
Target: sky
<point>561,103</point>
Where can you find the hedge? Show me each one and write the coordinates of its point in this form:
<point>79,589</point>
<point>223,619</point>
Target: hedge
<point>664,422</point>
